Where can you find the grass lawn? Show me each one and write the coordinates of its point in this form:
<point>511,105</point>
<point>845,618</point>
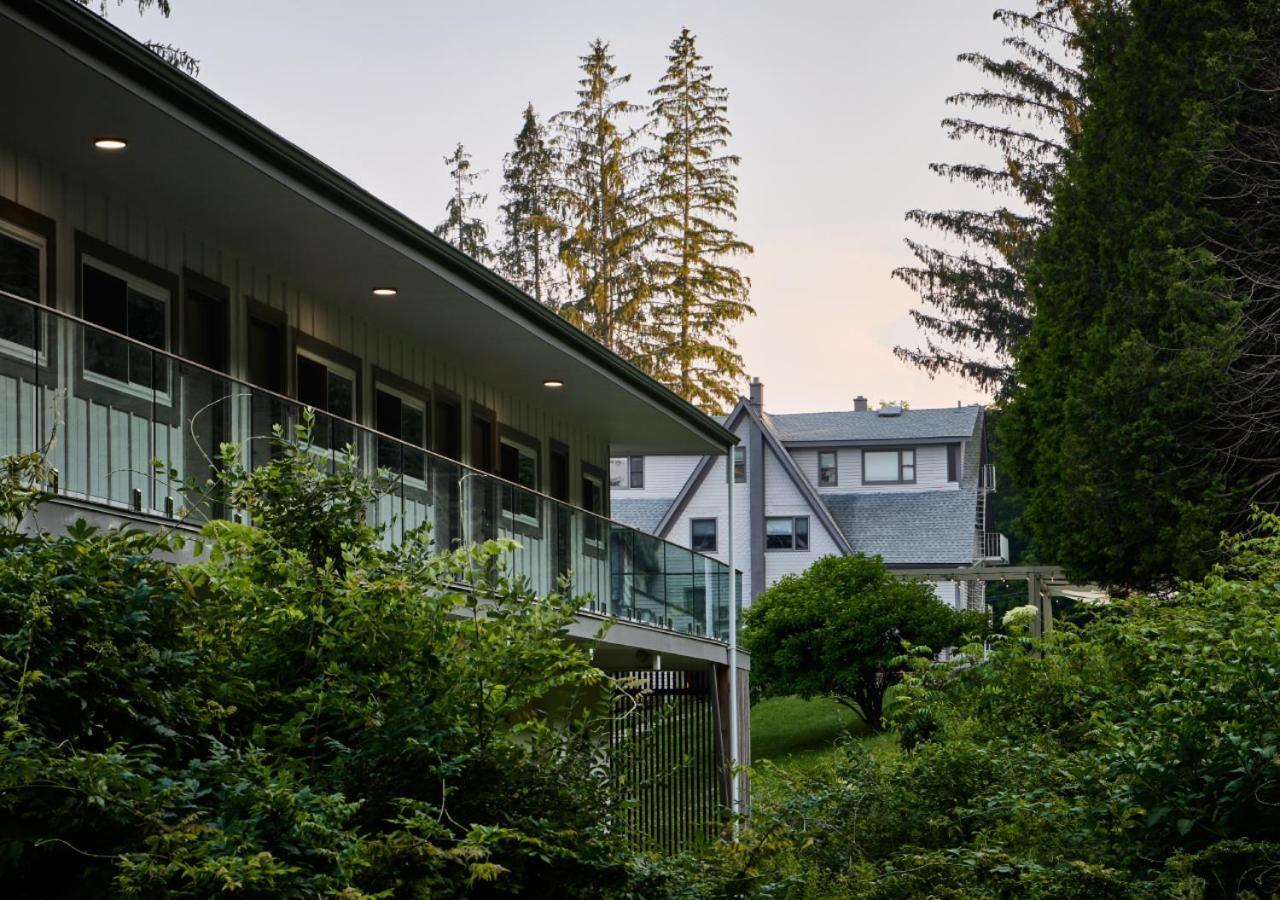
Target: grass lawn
<point>799,736</point>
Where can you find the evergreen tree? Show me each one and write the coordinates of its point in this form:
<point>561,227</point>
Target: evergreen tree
<point>977,287</point>
<point>528,255</point>
<point>174,56</point>
<point>603,202</point>
<point>461,227</point>
<point>1113,433</point>
<point>698,294</point>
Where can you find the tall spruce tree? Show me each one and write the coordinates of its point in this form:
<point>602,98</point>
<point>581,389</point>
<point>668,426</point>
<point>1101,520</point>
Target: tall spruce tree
<point>698,294</point>
<point>603,201</point>
<point>974,290</point>
<point>529,253</point>
<point>1113,432</point>
<point>461,227</point>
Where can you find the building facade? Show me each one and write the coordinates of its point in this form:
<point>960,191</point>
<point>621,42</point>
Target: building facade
<point>175,276</point>
<point>911,486</point>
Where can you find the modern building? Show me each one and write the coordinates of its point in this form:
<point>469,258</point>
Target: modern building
<point>909,485</point>
<point>173,275</point>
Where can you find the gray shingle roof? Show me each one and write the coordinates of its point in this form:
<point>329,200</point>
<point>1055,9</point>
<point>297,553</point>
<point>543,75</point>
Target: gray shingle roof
<point>923,527</point>
<point>847,425</point>
<point>641,514</point>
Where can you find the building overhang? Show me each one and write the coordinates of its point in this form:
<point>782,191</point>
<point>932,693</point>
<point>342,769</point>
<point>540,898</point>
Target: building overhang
<point>196,163</point>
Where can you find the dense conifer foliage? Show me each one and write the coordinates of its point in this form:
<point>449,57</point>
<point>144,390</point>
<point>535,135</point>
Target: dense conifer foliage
<point>529,253</point>
<point>461,226</point>
<point>975,281</point>
<point>1116,434</point>
<point>698,293</point>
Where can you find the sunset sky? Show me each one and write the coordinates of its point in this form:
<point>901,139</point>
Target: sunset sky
<point>835,108</point>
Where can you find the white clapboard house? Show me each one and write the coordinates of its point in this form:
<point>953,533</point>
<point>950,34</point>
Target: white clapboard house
<point>910,485</point>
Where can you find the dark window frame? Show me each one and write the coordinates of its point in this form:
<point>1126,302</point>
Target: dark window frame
<point>404,389</point>
<point>913,465</point>
<point>44,364</point>
<point>104,390</point>
<point>599,548</point>
<point>630,482</point>
<point>523,524</point>
<point>715,534</point>
<point>795,533</point>
<point>303,345</point>
<point>953,463</point>
<point>834,468</point>
<point>740,477</point>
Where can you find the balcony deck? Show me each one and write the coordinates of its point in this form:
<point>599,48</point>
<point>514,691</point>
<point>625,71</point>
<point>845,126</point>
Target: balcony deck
<point>134,445</point>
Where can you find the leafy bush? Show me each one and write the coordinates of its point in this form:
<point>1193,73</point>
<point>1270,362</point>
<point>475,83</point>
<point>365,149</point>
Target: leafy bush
<point>839,630</point>
<point>299,712</point>
<point>1136,755</point>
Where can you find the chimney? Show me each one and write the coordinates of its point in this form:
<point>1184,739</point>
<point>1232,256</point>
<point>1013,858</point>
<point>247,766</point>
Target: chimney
<point>757,395</point>
<point>859,403</point>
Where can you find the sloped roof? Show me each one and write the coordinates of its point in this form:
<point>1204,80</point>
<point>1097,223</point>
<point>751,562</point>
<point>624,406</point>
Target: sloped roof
<point>643,514</point>
<point>923,527</point>
<point>846,425</point>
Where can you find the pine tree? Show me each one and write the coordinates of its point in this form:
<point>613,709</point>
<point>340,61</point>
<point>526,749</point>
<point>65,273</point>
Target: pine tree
<point>1113,432</point>
<point>461,227</point>
<point>978,290</point>
<point>528,256</point>
<point>698,295</point>
<point>603,203</point>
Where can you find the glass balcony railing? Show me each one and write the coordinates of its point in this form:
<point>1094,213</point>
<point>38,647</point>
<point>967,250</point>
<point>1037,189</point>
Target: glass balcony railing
<point>119,404</point>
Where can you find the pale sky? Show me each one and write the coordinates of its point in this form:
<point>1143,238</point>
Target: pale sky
<point>835,108</point>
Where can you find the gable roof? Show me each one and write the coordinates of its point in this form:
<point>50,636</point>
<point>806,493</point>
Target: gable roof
<point>948,423</point>
<point>744,408</point>
<point>643,514</point>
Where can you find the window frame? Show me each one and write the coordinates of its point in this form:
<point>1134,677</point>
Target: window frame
<point>15,231</point>
<point>628,480</point>
<point>902,465</point>
<point>524,524</point>
<point>16,360</point>
<point>953,463</point>
<point>834,468</point>
<point>109,391</point>
<point>795,521</point>
<point>415,395</point>
<point>715,534</point>
<point>739,450</point>
<point>595,548</point>
<point>336,360</point>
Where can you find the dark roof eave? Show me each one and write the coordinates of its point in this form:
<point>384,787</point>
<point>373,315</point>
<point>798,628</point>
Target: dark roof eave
<point>103,41</point>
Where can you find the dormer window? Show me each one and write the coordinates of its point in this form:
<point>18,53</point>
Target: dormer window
<point>828,476</point>
<point>626,472</point>
<point>888,466</point>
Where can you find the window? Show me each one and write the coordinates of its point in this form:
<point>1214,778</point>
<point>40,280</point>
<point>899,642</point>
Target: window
<point>400,415</point>
<point>888,466</point>
<point>786,533</point>
<point>953,462</point>
<point>626,472</point>
<point>22,269</point>
<point>518,463</point>
<point>329,388</point>
<point>702,535</point>
<point>119,301</point>
<point>740,464</point>
<point>593,531</point>
<point>827,474</point>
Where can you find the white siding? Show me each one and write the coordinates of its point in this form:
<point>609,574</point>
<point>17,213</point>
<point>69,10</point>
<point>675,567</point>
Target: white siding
<point>931,470</point>
<point>664,477</point>
<point>783,498</point>
<point>711,501</point>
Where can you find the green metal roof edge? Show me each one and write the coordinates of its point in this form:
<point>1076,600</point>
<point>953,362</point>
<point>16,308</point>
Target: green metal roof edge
<point>105,42</point>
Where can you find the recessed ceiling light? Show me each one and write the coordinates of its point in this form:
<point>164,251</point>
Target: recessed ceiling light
<point>110,143</point>
<point>384,292</point>
<point>553,383</point>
